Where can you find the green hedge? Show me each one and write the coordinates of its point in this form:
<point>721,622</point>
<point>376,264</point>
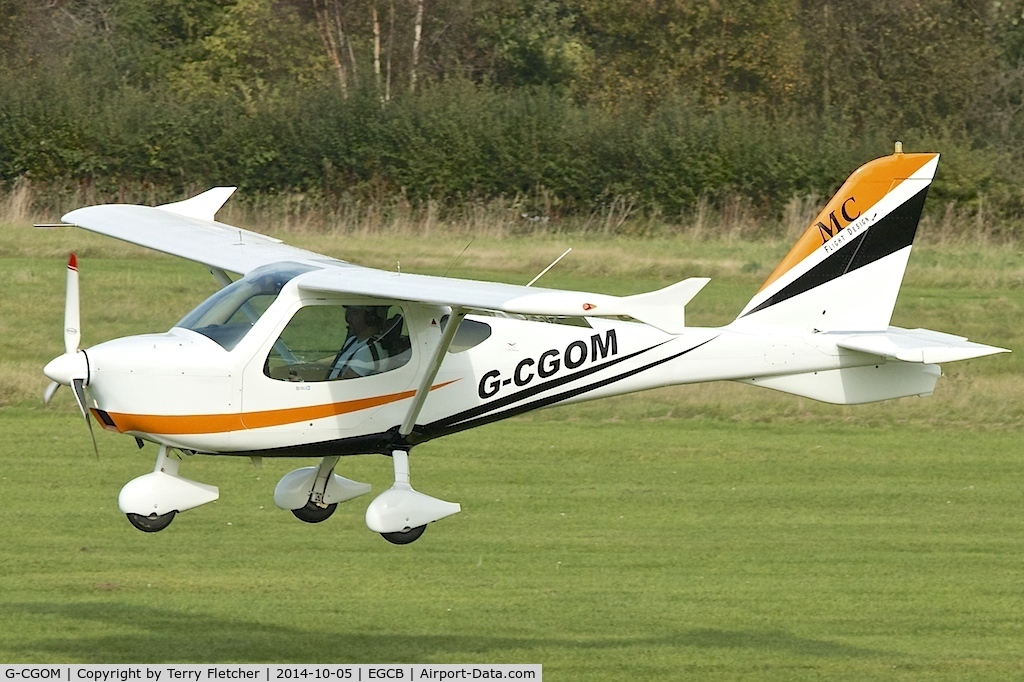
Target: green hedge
<point>456,141</point>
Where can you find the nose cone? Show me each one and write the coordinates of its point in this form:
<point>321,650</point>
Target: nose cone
<point>65,368</point>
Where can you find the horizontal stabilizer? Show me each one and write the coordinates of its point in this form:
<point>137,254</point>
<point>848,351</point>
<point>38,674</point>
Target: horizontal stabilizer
<point>918,345</point>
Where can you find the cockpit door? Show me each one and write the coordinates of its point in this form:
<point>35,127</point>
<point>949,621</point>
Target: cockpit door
<point>334,369</point>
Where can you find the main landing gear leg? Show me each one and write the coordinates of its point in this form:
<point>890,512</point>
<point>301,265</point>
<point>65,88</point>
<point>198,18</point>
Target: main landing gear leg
<point>313,493</point>
<point>316,509</point>
<point>401,514</point>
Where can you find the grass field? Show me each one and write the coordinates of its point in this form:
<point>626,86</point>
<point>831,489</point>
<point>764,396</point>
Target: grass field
<point>705,532</point>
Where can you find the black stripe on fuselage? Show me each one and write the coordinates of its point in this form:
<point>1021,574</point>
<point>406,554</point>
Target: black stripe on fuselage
<point>493,411</point>
<point>890,234</point>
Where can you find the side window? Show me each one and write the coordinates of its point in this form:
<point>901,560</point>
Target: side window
<point>335,342</point>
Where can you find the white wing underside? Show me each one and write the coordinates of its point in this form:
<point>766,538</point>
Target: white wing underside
<point>186,229</point>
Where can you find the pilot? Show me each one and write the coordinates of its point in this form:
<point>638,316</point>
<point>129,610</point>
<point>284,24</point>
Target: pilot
<point>269,284</point>
<point>361,354</point>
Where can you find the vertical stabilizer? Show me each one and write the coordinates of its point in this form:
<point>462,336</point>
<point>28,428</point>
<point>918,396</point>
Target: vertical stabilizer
<point>845,271</point>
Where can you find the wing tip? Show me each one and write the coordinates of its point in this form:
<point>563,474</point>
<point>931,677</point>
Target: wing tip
<point>203,206</point>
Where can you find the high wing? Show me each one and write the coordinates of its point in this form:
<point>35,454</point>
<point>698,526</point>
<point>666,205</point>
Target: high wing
<point>662,309</point>
<point>188,229</point>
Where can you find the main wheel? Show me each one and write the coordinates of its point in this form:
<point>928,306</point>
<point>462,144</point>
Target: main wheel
<point>151,523</point>
<point>404,537</point>
<point>313,513</point>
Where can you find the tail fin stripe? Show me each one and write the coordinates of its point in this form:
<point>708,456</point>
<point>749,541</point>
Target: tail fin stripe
<point>892,233</point>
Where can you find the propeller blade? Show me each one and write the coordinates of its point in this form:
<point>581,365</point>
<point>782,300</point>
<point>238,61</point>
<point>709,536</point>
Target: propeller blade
<point>71,368</point>
<point>72,321</point>
<point>79,388</point>
<point>50,390</point>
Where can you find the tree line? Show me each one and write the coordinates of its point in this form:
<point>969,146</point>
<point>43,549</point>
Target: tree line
<point>664,102</point>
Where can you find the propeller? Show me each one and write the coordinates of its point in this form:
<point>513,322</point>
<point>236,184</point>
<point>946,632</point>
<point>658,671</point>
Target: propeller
<point>72,316</point>
<point>71,368</point>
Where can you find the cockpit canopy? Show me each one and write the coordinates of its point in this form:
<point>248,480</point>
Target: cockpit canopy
<point>226,316</point>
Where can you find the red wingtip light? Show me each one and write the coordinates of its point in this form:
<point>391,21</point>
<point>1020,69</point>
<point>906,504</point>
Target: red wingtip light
<point>73,262</point>
<point>589,306</point>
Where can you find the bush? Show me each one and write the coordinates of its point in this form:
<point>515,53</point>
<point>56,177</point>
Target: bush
<point>457,142</point>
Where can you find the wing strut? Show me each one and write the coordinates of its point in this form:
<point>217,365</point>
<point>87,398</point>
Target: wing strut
<point>401,513</point>
<point>447,336</point>
<point>221,276</point>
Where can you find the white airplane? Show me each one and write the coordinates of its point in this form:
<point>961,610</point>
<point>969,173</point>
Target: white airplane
<point>308,356</point>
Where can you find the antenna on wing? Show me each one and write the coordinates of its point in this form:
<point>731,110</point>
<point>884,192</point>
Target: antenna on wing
<point>452,265</point>
<point>553,264</point>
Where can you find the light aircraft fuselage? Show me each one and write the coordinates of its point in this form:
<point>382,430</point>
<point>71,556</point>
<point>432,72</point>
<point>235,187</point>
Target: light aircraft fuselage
<point>308,356</point>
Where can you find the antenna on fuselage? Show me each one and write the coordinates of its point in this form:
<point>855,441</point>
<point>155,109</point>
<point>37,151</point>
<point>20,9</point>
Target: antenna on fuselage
<point>553,264</point>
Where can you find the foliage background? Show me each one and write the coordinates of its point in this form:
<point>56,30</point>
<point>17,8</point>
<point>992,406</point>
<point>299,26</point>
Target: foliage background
<point>560,108</point>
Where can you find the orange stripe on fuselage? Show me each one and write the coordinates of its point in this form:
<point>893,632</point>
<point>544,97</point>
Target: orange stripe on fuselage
<point>223,423</point>
<point>859,193</point>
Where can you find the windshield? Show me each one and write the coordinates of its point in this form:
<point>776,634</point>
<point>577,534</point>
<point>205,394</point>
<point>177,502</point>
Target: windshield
<point>226,316</point>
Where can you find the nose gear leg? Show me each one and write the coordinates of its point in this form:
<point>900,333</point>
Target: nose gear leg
<point>151,501</point>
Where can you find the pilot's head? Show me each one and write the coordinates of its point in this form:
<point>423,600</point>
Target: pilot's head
<point>269,284</point>
<point>368,317</point>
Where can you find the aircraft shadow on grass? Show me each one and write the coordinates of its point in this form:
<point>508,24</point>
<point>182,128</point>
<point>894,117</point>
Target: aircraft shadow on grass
<point>162,635</point>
